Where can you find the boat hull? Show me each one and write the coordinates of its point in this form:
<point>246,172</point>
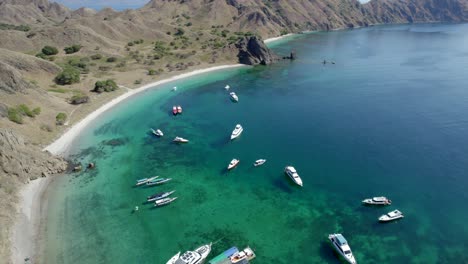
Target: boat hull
<point>350,260</point>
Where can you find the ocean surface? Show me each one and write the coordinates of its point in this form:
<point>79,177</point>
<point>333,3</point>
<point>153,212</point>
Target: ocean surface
<point>390,117</point>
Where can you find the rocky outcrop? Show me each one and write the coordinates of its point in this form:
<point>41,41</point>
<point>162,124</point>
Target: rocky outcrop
<point>253,50</point>
<point>11,80</point>
<point>32,12</point>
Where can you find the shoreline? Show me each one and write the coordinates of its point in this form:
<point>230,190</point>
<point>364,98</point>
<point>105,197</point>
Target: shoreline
<point>270,40</point>
<point>31,208</point>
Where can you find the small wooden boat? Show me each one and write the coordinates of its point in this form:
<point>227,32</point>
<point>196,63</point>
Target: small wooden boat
<point>180,140</point>
<point>179,109</point>
<point>145,180</point>
<point>259,162</point>
<point>158,196</point>
<point>164,201</point>
<point>174,110</point>
<point>158,181</point>
<point>233,164</point>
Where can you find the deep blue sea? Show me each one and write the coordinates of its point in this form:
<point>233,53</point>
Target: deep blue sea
<point>390,117</point>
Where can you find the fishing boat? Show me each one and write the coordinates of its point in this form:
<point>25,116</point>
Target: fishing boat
<point>233,164</point>
<point>179,109</point>
<point>259,162</point>
<point>174,258</point>
<point>174,110</point>
<point>342,247</point>
<point>391,216</point>
<point>197,256</point>
<point>164,201</point>
<point>145,180</point>
<point>381,200</point>
<point>180,140</point>
<point>158,181</point>
<point>157,132</point>
<point>237,131</point>
<point>158,196</point>
<point>246,254</point>
<point>227,87</point>
<point>292,173</point>
<point>234,97</point>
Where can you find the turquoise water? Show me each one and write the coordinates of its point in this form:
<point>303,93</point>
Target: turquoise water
<point>389,118</point>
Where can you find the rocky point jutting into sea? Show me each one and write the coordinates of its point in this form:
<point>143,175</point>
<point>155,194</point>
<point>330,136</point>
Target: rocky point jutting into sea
<point>133,47</point>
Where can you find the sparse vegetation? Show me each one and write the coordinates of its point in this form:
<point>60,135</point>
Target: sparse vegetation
<point>180,32</point>
<point>17,113</point>
<point>96,57</point>
<point>105,86</point>
<point>49,50</point>
<point>68,76</point>
<point>137,81</point>
<point>72,49</point>
<point>46,127</point>
<point>152,72</point>
<point>15,116</point>
<point>111,59</point>
<point>79,99</point>
<point>60,119</point>
<point>24,28</point>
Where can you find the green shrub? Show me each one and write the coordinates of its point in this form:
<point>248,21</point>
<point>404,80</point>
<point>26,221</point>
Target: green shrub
<point>15,116</point>
<point>60,119</point>
<point>152,72</point>
<point>180,32</point>
<point>130,44</point>
<point>79,99</point>
<point>68,76</point>
<point>24,28</point>
<point>36,111</point>
<point>137,81</point>
<point>41,55</point>
<point>105,86</point>
<point>111,59</point>
<point>49,50</point>
<point>72,49</point>
<point>96,57</point>
<point>24,110</point>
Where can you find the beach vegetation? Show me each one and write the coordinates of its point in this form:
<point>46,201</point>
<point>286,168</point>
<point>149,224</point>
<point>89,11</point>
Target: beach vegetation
<point>72,49</point>
<point>105,86</point>
<point>79,99</point>
<point>60,119</point>
<point>17,113</point>
<point>49,50</point>
<point>68,76</point>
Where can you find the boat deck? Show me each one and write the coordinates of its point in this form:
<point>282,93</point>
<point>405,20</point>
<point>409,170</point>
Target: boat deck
<point>223,258</point>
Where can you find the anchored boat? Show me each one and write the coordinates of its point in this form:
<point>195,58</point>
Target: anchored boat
<point>259,162</point>
<point>292,173</point>
<point>158,132</point>
<point>164,201</point>
<point>197,256</point>
<point>342,247</point>
<point>246,254</point>
<point>237,131</point>
<point>390,216</point>
<point>158,196</point>
<point>158,181</point>
<point>233,164</point>
<point>234,97</point>
<point>179,109</point>
<point>180,140</point>
<point>381,200</point>
<point>145,180</point>
<point>174,110</point>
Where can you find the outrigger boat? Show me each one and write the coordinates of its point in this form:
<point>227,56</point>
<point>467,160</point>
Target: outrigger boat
<point>390,216</point>
<point>158,181</point>
<point>164,201</point>
<point>180,140</point>
<point>158,132</point>
<point>342,247</point>
<point>233,164</point>
<point>145,180</point>
<point>158,196</point>
<point>259,162</point>
<point>381,200</point>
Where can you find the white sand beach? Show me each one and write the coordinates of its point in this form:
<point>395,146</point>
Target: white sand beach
<point>60,146</point>
<point>270,40</point>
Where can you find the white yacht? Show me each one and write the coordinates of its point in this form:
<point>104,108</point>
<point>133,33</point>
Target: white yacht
<point>292,173</point>
<point>381,200</point>
<point>174,258</point>
<point>180,140</point>
<point>233,164</point>
<point>342,247</point>
<point>227,87</point>
<point>234,97</point>
<point>259,162</point>
<point>237,131</point>
<point>390,216</point>
<point>158,132</point>
<point>197,256</point>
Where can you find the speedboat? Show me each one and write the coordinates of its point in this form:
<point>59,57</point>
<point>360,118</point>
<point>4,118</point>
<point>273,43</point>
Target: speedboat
<point>292,173</point>
<point>158,196</point>
<point>158,181</point>
<point>164,201</point>
<point>237,131</point>
<point>180,140</point>
<point>158,132</point>
<point>227,87</point>
<point>233,164</point>
<point>174,258</point>
<point>179,109</point>
<point>197,256</point>
<point>259,162</point>
<point>174,110</point>
<point>342,247</point>
<point>145,180</point>
<point>234,97</point>
<point>381,200</point>
<point>390,216</point>
<point>246,254</point>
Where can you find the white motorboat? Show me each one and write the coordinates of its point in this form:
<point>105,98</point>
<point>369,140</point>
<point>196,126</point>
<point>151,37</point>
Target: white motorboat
<point>381,200</point>
<point>180,140</point>
<point>259,162</point>
<point>174,88</point>
<point>390,216</point>
<point>246,254</point>
<point>145,180</point>
<point>158,132</point>
<point>173,259</point>
<point>233,164</point>
<point>197,256</point>
<point>237,131</point>
<point>234,97</point>
<point>292,173</point>
<point>227,87</point>
<point>342,247</point>
<point>179,109</point>
<point>164,201</point>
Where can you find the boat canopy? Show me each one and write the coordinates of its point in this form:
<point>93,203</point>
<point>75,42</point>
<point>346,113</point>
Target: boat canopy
<point>341,239</point>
